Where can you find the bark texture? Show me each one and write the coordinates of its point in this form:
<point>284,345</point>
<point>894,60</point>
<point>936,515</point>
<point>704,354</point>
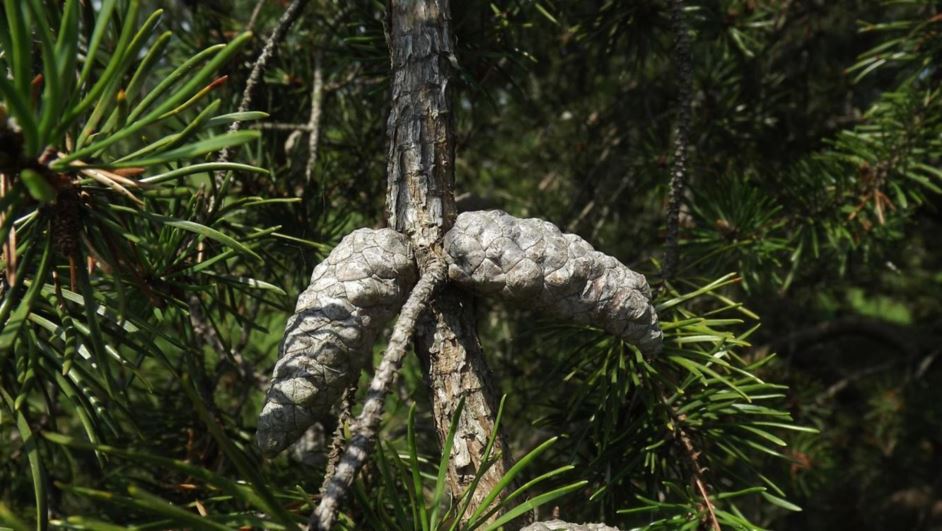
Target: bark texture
<point>530,261</point>
<point>679,171</point>
<point>328,341</point>
<point>420,203</point>
<point>420,172</point>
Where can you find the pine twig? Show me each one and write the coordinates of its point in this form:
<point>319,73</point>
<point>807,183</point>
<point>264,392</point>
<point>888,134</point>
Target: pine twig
<point>268,51</point>
<point>681,142</point>
<point>254,16</point>
<point>693,461</point>
<point>367,423</point>
<point>204,330</point>
<point>276,126</point>
<point>313,124</point>
<point>258,68</point>
<point>335,451</point>
<point>698,480</point>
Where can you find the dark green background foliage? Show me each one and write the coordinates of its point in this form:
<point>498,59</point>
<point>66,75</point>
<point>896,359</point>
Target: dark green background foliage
<point>129,389</point>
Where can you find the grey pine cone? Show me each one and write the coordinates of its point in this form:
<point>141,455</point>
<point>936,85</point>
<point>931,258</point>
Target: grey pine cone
<point>368,276</point>
<point>531,261</point>
<point>328,341</point>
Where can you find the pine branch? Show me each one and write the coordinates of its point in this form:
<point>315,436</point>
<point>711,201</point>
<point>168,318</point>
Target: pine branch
<point>268,51</point>
<point>335,451</point>
<point>258,68</point>
<point>907,340</point>
<point>206,333</point>
<point>275,126</point>
<point>679,168</point>
<point>367,423</point>
<point>313,124</point>
<point>420,203</point>
<point>253,18</point>
<point>692,455</point>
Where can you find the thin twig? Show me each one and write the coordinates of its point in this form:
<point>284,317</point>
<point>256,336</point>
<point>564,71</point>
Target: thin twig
<point>313,124</point>
<point>853,377</point>
<point>698,480</point>
<point>679,170</point>
<point>204,330</point>
<point>338,84</point>
<point>367,423</point>
<point>275,126</point>
<point>287,18</point>
<point>254,17</point>
<point>336,444</point>
<point>904,339</point>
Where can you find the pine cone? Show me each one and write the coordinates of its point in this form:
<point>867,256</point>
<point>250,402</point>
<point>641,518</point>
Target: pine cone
<point>329,339</point>
<point>530,261</point>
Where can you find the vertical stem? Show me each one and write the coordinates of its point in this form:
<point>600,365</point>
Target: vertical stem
<point>679,173</point>
<point>421,204</point>
<point>255,76</point>
<point>314,122</point>
<point>682,63</point>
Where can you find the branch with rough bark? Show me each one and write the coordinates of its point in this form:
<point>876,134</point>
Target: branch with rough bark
<point>420,202</point>
<point>314,122</point>
<point>679,169</point>
<point>678,178</point>
<point>258,67</point>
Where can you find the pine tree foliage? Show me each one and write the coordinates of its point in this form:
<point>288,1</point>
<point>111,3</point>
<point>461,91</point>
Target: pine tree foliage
<point>145,285</point>
<point>117,246</point>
